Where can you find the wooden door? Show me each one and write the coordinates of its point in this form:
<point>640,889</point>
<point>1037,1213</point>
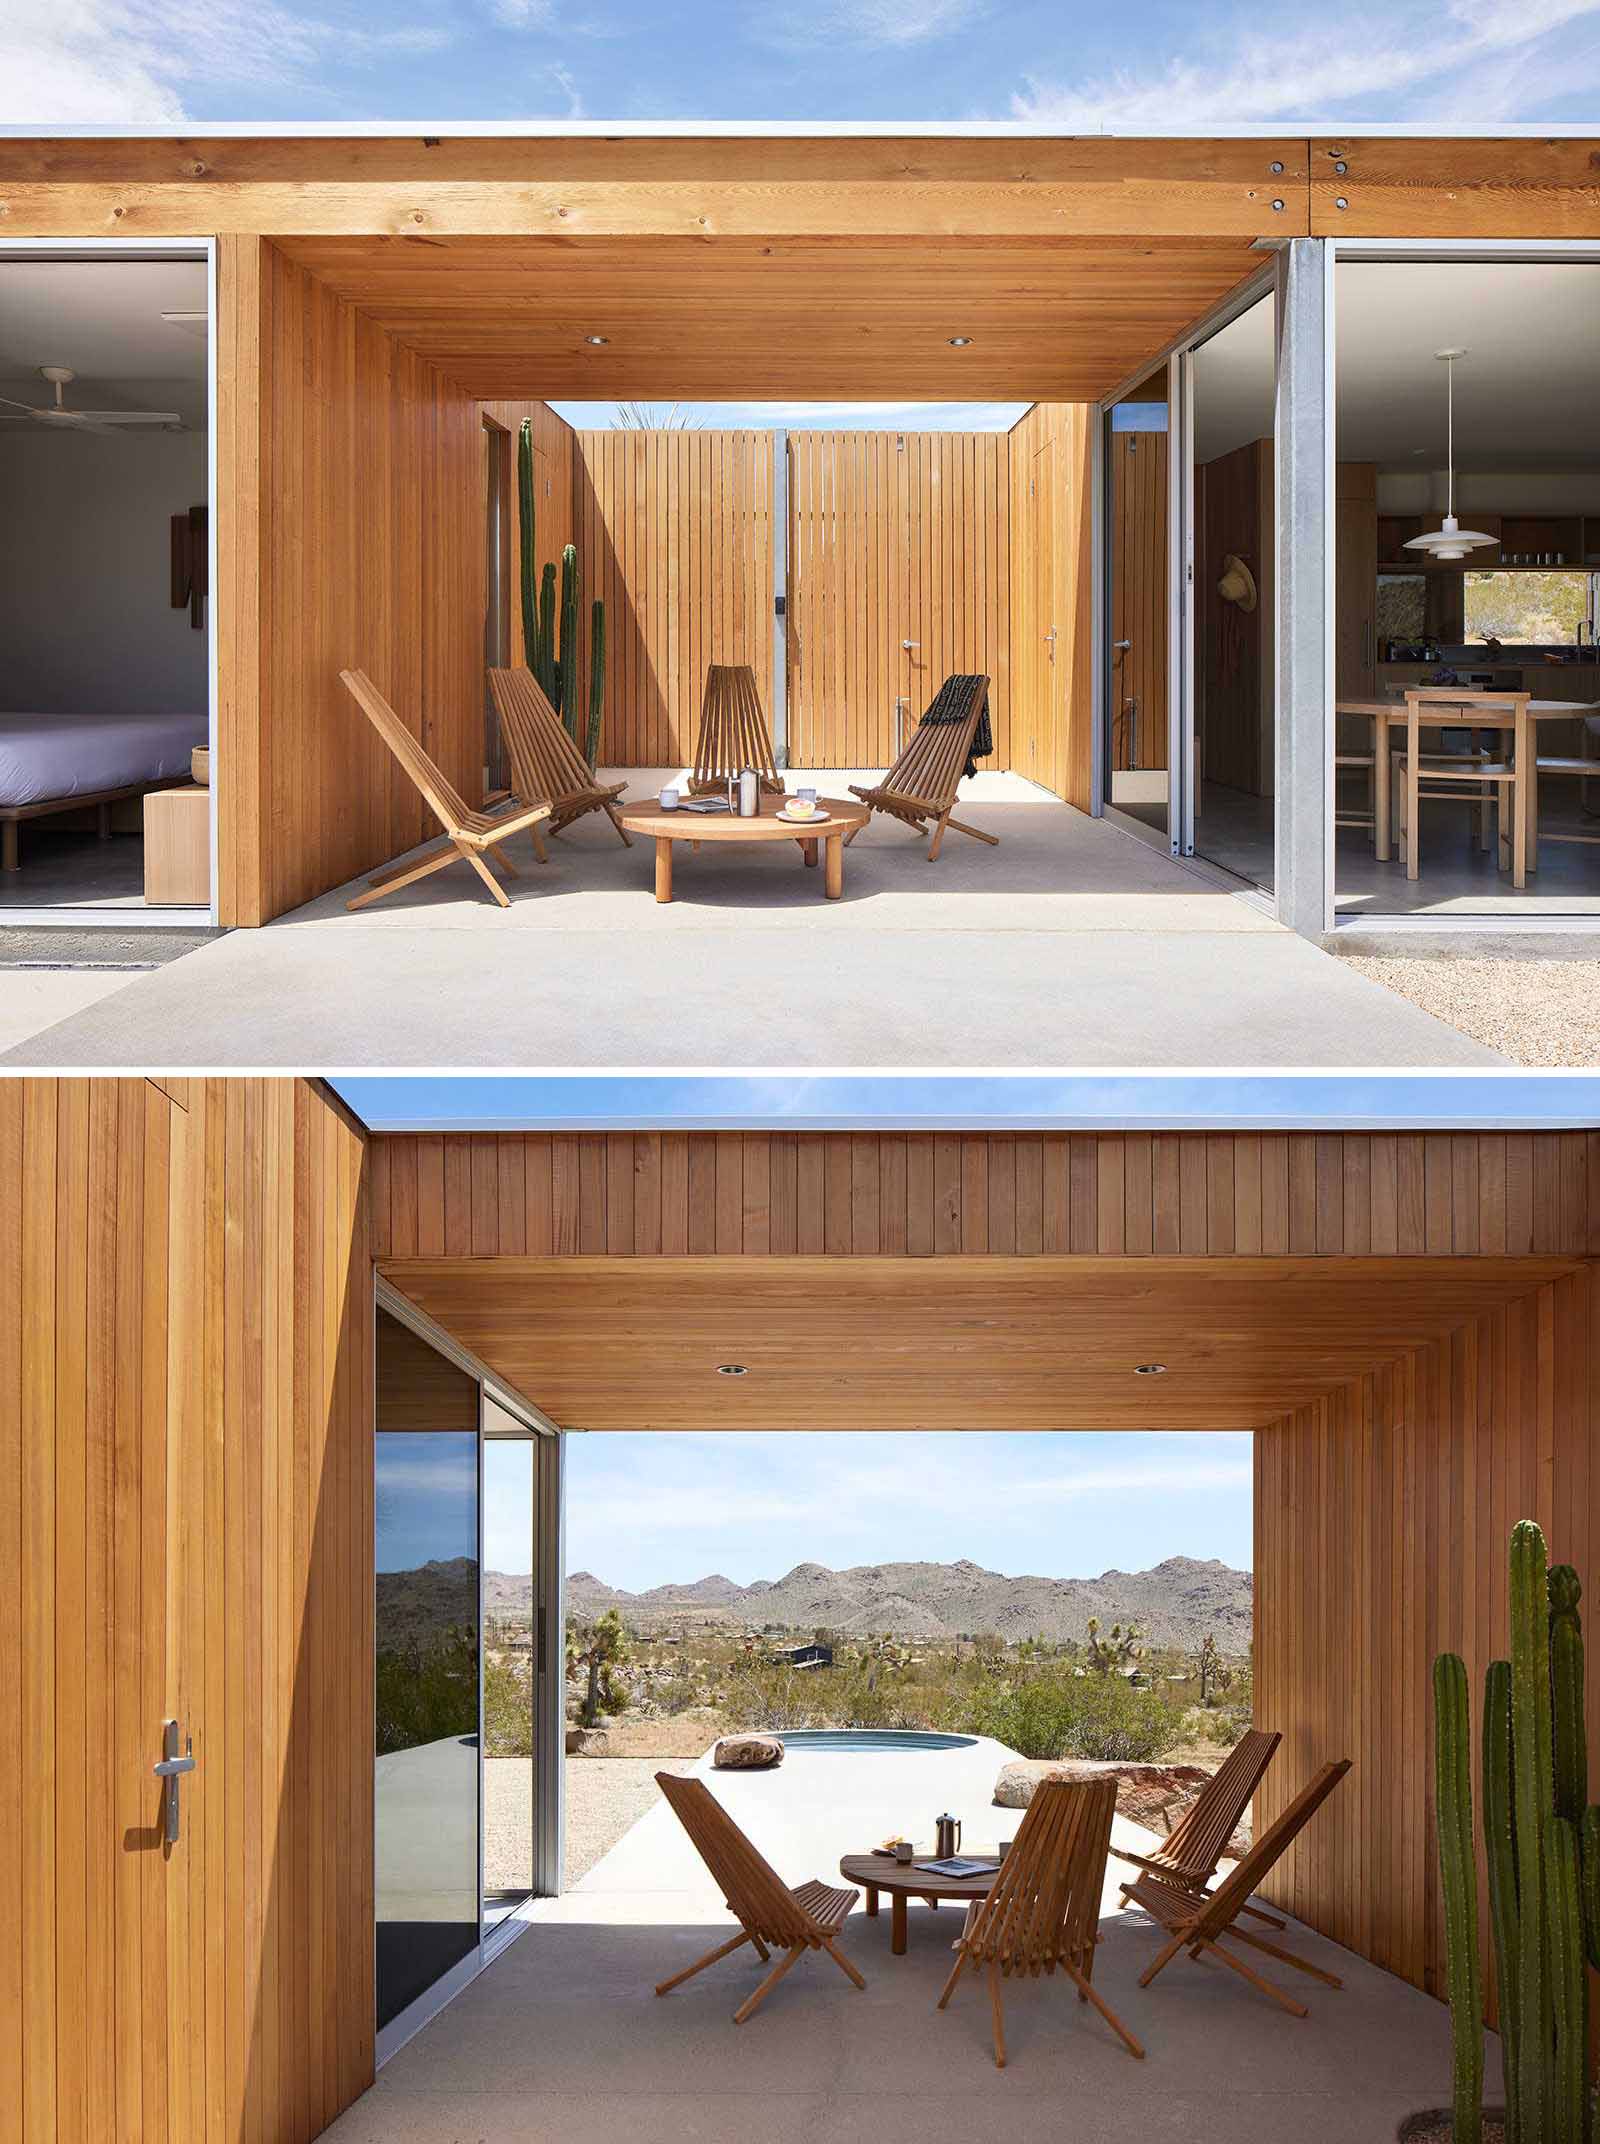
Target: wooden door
<point>1040,689</point>
<point>1139,614</point>
<point>1355,578</point>
<point>898,575</point>
<point>102,1996</point>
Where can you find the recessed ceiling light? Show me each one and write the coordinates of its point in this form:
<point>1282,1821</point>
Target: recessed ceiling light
<point>959,342</point>
<point>732,1369</point>
<point>1149,1369</point>
<point>597,340</point>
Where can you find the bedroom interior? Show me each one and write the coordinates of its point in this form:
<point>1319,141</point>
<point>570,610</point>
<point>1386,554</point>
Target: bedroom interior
<point>105,806</point>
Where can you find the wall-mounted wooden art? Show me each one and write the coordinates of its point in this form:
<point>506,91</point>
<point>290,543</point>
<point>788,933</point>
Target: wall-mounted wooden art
<point>189,555</point>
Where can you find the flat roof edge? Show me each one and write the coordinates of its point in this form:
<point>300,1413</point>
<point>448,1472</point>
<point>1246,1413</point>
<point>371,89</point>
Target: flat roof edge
<point>783,129</point>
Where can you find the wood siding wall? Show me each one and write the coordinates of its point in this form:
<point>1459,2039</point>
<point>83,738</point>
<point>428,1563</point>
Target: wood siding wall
<point>1382,1515</point>
<point>185,1529</point>
<point>365,547</point>
<point>871,1194</point>
<point>895,537</point>
<point>1052,554</point>
<point>676,539</point>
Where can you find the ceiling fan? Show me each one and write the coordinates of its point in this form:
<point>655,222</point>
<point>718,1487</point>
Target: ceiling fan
<point>57,413</point>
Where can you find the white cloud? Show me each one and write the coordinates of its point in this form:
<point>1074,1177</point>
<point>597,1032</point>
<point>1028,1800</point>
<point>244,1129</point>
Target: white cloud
<point>876,25</point>
<point>1455,61</point>
<point>82,62</point>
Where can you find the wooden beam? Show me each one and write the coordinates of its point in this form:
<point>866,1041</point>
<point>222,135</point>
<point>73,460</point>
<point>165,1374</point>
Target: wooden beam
<point>688,188</point>
<point>1422,188</point>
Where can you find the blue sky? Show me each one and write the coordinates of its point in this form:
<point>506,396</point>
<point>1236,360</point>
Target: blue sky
<point>1182,1100</point>
<point>1147,63</point>
<point>642,1510</point>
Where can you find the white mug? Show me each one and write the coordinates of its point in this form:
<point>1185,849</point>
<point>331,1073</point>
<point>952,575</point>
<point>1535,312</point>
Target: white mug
<point>669,800</point>
<point>806,796</point>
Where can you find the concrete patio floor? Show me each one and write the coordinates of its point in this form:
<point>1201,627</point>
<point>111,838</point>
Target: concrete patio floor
<point>1073,943</point>
<point>563,2038</point>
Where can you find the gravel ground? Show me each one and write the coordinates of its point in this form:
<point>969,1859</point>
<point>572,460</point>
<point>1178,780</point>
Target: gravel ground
<point>1533,1011</point>
<point>606,1796</point>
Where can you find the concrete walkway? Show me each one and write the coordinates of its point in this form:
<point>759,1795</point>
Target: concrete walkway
<point>1071,944</point>
<point>563,2039</point>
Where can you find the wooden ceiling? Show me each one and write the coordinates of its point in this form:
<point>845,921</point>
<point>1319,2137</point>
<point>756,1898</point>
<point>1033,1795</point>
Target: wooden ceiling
<point>952,1343</point>
<point>734,318</point>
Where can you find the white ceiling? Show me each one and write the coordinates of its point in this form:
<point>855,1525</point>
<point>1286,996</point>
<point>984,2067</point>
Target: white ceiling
<point>103,318</point>
<point>1527,392</point>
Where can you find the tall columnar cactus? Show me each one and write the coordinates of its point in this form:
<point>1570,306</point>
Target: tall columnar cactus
<point>1542,1854</point>
<point>1570,1758</point>
<point>567,656</point>
<point>1500,1861</point>
<point>597,681</point>
<point>1452,1731</point>
<point>543,662</point>
<point>1533,1808</point>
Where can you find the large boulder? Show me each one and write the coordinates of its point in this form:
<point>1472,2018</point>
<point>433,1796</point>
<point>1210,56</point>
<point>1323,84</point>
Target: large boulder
<point>746,1753</point>
<point>1154,1795</point>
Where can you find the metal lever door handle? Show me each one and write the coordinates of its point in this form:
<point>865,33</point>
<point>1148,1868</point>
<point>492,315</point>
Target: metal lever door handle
<point>170,1772</point>
<point>911,643</point>
<point>1122,643</point>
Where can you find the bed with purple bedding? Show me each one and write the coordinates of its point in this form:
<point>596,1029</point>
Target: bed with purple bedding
<point>58,763</point>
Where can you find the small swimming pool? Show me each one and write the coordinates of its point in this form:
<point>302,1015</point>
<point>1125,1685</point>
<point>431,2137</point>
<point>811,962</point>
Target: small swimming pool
<point>856,1741</point>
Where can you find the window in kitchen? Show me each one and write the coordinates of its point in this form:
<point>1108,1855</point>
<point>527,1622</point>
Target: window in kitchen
<point>1530,609</point>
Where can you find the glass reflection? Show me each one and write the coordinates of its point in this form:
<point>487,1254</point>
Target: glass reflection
<point>509,1624</point>
<point>427,1667</point>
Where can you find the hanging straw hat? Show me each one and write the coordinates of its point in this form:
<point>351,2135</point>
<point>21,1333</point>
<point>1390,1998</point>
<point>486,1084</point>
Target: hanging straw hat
<point>1238,583</point>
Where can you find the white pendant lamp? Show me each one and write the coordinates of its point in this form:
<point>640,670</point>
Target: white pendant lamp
<point>1451,540</point>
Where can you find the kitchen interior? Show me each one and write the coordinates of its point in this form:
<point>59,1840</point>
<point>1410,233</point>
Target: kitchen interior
<point>1468,555</point>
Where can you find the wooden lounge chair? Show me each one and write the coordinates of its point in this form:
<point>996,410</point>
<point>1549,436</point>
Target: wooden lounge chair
<point>1187,1858</point>
<point>920,788</point>
<point>770,1915</point>
<point>1044,1909</point>
<point>467,834</point>
<point>733,733</point>
<point>1198,1921</point>
<point>544,760</point>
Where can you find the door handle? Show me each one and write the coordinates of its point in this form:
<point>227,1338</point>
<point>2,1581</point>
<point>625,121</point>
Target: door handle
<point>911,644</point>
<point>1122,644</point>
<point>170,1772</point>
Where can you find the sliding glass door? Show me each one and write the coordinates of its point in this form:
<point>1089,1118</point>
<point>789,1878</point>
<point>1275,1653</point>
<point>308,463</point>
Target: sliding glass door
<point>426,1801</point>
<point>469,1686</point>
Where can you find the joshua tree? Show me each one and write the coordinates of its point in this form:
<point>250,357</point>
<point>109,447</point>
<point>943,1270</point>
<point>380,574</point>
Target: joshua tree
<point>1118,1653</point>
<point>1214,1672</point>
<point>595,1652</point>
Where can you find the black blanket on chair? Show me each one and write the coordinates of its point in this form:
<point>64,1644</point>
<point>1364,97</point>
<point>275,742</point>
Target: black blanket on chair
<point>953,703</point>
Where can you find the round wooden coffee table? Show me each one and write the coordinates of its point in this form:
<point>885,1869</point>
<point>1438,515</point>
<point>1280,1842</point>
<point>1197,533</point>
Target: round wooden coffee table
<point>904,1880</point>
<point>835,818</point>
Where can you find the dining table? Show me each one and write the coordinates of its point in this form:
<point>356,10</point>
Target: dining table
<point>1520,721</point>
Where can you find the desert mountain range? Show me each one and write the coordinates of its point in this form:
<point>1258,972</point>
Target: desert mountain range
<point>1176,1603</point>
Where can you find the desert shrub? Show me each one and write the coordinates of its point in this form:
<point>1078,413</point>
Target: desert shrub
<point>507,1706</point>
<point>1054,1715</point>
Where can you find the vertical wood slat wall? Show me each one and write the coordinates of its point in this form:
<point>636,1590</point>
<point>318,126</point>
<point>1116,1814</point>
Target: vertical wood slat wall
<point>367,551</point>
<point>894,536</point>
<point>185,1530</point>
<point>1051,732</point>
<point>1382,1515</point>
<point>675,536</point>
<point>875,1194</point>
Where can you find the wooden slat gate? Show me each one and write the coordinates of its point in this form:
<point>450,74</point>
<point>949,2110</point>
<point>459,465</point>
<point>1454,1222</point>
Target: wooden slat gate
<point>898,574</point>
